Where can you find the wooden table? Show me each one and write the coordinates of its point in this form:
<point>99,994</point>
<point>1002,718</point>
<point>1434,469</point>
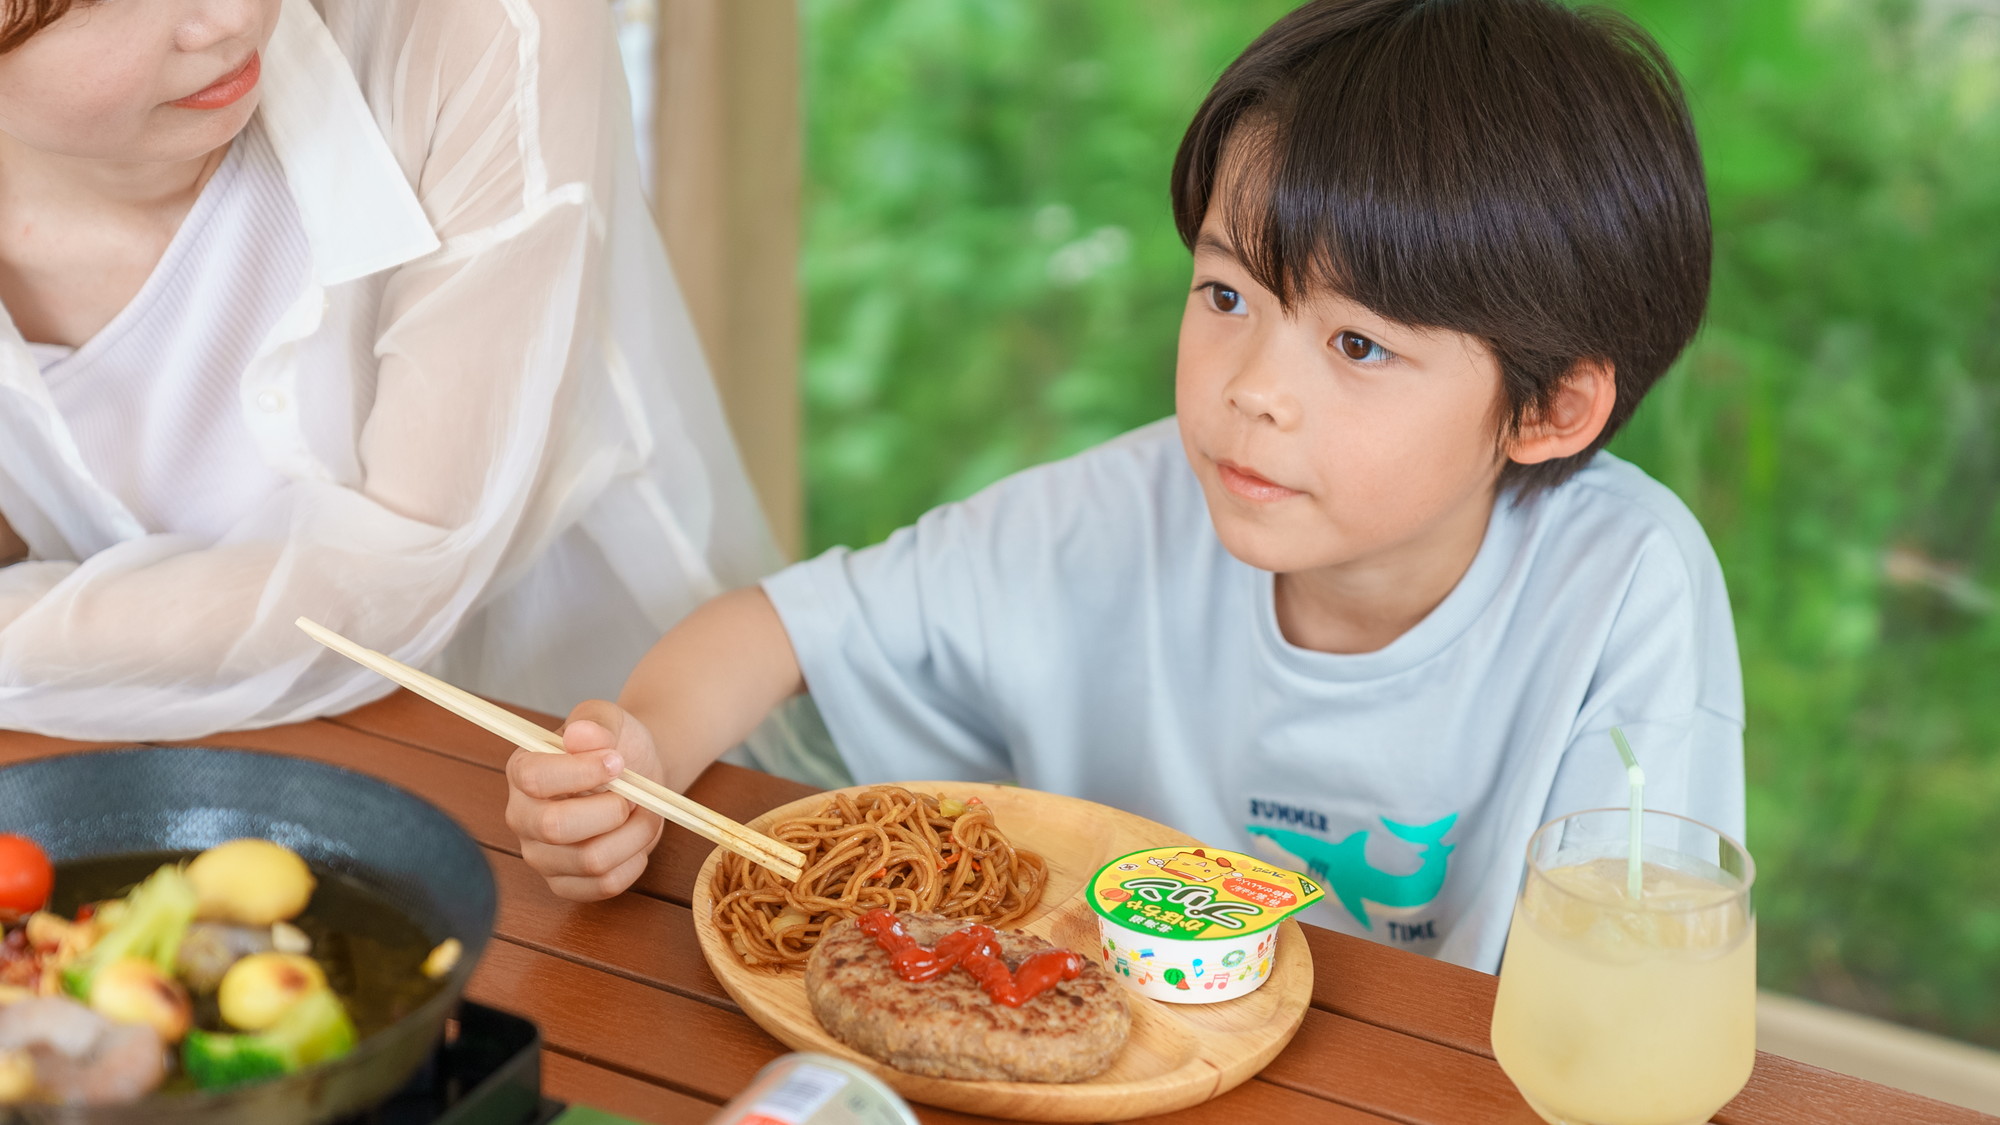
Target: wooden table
<point>635,1023</point>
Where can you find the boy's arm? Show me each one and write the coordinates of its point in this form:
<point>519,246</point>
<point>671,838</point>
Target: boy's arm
<point>708,683</point>
<point>701,690</point>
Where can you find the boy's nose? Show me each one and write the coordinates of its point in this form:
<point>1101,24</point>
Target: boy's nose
<point>1258,392</point>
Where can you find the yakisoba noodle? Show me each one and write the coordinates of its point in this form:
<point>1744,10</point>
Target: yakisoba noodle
<point>883,846</point>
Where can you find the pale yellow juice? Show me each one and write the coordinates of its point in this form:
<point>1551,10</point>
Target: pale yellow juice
<point>1611,1015</point>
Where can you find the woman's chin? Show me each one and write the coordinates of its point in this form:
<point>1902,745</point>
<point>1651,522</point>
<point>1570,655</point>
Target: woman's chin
<point>189,134</point>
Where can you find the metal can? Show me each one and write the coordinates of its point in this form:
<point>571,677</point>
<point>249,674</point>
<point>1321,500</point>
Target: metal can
<point>809,1089</point>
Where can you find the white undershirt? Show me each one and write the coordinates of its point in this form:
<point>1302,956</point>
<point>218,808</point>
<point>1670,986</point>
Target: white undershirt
<point>152,400</point>
<point>48,355</point>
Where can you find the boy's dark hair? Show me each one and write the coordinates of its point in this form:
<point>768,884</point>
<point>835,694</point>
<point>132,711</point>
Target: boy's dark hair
<point>1511,169</point>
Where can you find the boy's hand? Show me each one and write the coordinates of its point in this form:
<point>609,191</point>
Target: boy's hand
<point>587,842</point>
<point>709,682</point>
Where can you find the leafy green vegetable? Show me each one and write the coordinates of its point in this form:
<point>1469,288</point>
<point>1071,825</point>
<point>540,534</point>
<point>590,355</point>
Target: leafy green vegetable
<point>154,919</point>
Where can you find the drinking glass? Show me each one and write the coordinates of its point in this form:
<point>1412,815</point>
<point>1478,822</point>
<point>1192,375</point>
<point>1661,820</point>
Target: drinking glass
<point>1616,1011</point>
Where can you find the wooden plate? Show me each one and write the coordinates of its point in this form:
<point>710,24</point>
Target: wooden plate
<point>1179,1054</point>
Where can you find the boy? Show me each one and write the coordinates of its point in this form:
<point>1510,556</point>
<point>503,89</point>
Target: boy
<point>1371,601</point>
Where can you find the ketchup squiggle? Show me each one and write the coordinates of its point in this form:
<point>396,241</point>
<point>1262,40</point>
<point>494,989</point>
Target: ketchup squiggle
<point>976,949</point>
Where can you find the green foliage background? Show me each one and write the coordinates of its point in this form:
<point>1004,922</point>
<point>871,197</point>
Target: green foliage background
<point>993,280</point>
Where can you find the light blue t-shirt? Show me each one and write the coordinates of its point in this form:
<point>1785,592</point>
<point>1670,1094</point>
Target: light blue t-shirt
<point>1079,628</point>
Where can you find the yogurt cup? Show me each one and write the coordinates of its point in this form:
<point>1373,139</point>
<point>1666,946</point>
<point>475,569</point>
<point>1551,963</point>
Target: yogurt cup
<point>1192,925</point>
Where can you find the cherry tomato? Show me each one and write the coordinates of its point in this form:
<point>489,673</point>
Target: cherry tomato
<point>25,875</point>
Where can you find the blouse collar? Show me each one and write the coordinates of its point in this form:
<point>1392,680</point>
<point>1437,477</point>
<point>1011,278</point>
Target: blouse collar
<point>358,209</point>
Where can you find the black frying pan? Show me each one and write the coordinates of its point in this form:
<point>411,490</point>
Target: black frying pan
<point>149,800</point>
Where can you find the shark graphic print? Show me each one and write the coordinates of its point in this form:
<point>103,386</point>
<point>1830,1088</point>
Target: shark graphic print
<point>1368,892</point>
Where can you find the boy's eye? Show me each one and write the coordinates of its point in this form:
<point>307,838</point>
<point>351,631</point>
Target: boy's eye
<point>1360,348</point>
<point>1223,299</point>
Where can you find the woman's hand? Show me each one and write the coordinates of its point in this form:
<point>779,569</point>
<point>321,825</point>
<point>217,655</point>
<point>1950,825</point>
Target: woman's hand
<point>588,842</point>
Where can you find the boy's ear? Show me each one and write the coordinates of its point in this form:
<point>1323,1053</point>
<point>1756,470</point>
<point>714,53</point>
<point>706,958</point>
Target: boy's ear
<point>1574,418</point>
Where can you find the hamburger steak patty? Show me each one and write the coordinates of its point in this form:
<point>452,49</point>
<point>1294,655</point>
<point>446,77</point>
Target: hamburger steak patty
<point>949,1027</point>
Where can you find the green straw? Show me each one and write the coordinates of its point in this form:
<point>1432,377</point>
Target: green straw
<point>1637,777</point>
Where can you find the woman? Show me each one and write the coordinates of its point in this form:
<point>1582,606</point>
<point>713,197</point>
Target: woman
<point>353,312</point>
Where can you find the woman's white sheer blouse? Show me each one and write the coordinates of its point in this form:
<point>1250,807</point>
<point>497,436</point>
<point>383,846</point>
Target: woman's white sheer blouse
<point>499,451</point>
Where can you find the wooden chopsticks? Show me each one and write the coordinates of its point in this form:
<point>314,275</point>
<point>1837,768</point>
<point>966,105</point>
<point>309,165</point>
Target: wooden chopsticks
<point>642,791</point>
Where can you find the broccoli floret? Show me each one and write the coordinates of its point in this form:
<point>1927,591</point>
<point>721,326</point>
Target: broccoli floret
<point>151,925</point>
<point>312,1031</point>
<point>214,1059</point>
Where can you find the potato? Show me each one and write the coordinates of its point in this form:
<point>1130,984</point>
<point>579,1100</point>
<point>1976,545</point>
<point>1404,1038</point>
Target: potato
<point>133,990</point>
<point>17,1077</point>
<point>258,990</point>
<point>250,882</point>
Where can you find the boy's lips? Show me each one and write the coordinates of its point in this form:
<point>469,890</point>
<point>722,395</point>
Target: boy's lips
<point>1247,484</point>
<point>227,90</point>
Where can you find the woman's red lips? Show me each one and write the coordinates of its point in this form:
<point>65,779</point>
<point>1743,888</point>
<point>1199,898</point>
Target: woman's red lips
<point>1250,486</point>
<point>227,91</point>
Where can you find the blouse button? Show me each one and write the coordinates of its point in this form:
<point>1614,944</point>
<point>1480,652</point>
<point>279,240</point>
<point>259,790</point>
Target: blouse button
<point>270,402</point>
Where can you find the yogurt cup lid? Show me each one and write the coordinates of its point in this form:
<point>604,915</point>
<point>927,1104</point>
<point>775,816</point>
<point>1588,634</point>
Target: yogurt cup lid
<point>1198,894</point>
